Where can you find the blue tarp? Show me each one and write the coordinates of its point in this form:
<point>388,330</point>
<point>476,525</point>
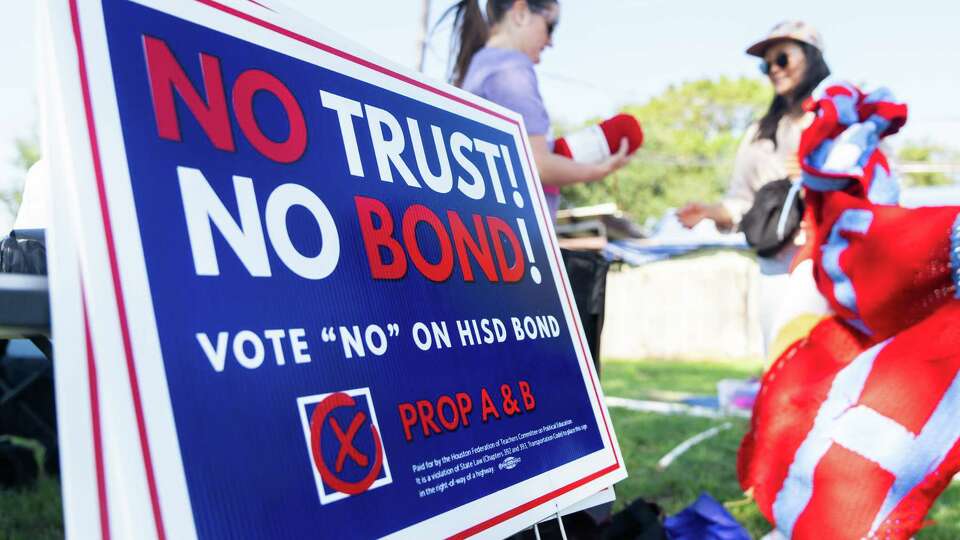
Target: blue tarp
<point>670,239</point>
<point>705,519</point>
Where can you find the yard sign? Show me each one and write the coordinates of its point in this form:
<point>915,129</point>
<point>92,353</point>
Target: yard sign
<point>323,294</point>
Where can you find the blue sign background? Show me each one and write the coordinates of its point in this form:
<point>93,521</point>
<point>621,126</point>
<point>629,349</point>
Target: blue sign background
<point>248,469</point>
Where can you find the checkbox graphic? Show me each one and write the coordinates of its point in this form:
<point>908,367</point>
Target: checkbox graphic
<point>344,444</point>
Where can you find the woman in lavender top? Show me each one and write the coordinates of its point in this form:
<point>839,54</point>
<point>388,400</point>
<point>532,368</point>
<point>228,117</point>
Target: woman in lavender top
<point>496,53</point>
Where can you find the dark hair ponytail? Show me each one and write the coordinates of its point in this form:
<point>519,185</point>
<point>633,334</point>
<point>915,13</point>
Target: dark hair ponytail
<point>816,71</point>
<point>471,29</point>
<point>470,32</point>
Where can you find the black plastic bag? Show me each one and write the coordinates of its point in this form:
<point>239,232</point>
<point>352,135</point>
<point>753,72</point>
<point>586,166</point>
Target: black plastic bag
<point>22,255</point>
<point>587,271</point>
<point>774,217</point>
<point>640,520</point>
<point>18,466</point>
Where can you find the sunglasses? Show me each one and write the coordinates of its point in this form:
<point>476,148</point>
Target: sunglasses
<point>551,23</point>
<point>782,61</point>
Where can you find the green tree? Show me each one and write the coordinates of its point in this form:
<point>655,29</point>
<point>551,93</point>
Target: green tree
<point>691,133</point>
<point>917,153</point>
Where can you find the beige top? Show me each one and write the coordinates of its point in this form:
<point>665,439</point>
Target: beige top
<point>759,163</point>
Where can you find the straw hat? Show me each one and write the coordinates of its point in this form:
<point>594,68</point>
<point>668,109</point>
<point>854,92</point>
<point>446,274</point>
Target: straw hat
<point>795,30</point>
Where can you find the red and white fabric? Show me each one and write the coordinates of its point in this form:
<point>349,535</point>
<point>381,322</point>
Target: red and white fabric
<point>597,143</point>
<point>855,431</point>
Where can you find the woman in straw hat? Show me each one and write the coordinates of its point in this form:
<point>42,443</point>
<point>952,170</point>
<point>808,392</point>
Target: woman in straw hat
<point>792,60</point>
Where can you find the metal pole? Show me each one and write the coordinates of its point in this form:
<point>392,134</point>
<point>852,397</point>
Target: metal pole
<point>563,532</point>
<point>424,32</point>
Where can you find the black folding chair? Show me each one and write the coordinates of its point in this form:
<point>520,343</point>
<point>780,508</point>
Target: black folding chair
<point>27,407</point>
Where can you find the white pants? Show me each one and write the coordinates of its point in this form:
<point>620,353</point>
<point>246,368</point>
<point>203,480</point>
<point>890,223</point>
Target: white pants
<point>788,303</point>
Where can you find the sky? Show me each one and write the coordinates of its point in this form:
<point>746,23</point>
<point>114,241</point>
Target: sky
<point>608,53</point>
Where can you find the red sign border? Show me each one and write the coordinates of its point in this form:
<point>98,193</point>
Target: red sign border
<point>121,306</point>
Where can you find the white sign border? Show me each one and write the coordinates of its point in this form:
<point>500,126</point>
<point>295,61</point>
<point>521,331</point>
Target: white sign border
<point>596,470</point>
<point>79,431</point>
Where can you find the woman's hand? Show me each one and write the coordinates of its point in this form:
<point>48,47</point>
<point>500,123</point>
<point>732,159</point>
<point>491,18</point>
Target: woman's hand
<point>616,161</point>
<point>691,214</point>
<point>557,170</point>
<point>792,166</point>
<point>695,212</point>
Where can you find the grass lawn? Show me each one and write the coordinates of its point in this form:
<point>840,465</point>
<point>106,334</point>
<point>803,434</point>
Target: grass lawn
<point>710,466</point>
<point>644,438</point>
<point>31,514</point>
<point>665,380</point>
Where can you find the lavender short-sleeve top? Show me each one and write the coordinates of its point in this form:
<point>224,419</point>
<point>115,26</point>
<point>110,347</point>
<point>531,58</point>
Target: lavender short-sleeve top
<point>506,77</point>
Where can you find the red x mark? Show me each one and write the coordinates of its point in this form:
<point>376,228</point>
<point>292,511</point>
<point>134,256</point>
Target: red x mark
<point>317,419</point>
<point>346,441</point>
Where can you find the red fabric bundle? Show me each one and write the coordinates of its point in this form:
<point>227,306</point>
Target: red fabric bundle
<point>883,268</point>
<point>854,433</point>
<point>596,143</point>
<point>851,441</point>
